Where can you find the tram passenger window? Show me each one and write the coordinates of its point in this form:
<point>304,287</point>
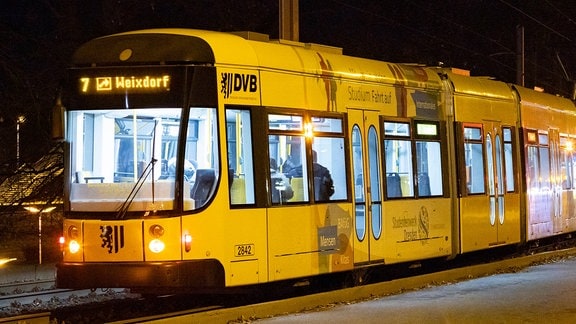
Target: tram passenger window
<point>287,146</point>
<point>544,175</point>
<point>240,164</point>
<point>398,158</point>
<point>532,167</point>
<point>473,159</point>
<point>428,159</point>
<point>544,160</point>
<point>509,160</point>
<point>567,170</point>
<point>399,167</point>
<point>202,148</point>
<point>429,169</point>
<point>328,159</point>
<point>565,162</point>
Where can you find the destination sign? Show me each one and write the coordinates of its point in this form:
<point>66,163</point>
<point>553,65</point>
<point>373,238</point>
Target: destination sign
<point>124,84</point>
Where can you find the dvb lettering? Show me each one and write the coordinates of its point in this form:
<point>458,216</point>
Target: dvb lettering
<point>236,82</point>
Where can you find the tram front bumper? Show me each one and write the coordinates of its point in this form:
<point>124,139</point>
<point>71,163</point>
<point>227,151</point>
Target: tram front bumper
<point>174,274</point>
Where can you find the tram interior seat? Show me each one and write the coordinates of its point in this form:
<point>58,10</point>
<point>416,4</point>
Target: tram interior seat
<point>297,185</point>
<point>86,177</point>
<point>423,185</point>
<point>393,185</point>
<point>238,191</point>
<point>205,179</point>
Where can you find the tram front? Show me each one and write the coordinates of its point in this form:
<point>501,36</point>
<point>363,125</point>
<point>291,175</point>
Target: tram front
<point>142,150</point>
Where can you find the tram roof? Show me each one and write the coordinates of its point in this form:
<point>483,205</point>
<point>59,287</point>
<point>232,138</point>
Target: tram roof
<point>535,98</point>
<point>187,46</point>
<point>479,86</point>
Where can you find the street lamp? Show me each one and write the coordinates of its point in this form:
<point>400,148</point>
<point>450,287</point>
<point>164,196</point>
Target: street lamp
<point>35,210</point>
<point>19,120</point>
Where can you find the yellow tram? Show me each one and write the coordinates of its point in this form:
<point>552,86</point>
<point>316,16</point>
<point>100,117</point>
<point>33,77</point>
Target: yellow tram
<point>204,160</point>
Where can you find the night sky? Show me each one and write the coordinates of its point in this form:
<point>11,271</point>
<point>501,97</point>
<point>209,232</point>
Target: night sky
<point>37,38</point>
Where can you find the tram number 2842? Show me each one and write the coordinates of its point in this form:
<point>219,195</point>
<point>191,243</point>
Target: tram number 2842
<point>244,250</point>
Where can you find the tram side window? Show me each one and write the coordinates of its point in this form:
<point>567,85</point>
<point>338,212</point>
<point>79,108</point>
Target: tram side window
<point>508,159</point>
<point>544,156</point>
<point>328,159</point>
<point>201,152</point>
<point>428,160</point>
<point>240,163</point>
<point>532,167</point>
<point>532,161</point>
<point>473,159</point>
<point>398,157</point>
<point>287,153</point>
<point>566,162</point>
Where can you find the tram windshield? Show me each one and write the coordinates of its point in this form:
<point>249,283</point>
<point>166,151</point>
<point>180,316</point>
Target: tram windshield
<point>125,160</point>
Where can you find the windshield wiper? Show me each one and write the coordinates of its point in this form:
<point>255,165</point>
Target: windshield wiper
<point>141,179</point>
<point>137,186</point>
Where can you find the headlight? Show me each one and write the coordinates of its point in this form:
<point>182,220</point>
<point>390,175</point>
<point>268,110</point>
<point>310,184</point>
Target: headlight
<point>156,246</point>
<point>73,246</point>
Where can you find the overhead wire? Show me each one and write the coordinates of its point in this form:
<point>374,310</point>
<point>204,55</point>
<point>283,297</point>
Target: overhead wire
<point>470,30</point>
<point>432,36</point>
<point>558,11</point>
<point>536,20</point>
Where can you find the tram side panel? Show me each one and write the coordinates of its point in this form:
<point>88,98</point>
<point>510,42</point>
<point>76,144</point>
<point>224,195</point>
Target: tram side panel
<point>410,218</point>
<point>549,127</point>
<point>304,236</point>
<point>417,211</point>
<point>489,199</point>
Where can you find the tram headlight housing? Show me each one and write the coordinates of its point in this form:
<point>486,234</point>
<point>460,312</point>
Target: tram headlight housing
<point>156,230</point>
<point>73,235</point>
<point>156,245</point>
<point>73,232</point>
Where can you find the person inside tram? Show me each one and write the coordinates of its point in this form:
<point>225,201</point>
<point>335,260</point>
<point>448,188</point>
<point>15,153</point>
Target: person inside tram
<point>281,189</point>
<point>292,167</point>
<point>323,183</point>
<point>189,168</point>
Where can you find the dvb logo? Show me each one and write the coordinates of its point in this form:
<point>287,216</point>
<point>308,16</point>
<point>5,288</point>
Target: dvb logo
<point>112,237</point>
<point>236,82</point>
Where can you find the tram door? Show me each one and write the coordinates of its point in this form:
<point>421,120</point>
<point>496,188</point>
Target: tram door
<point>367,187</point>
<point>495,172</point>
<point>555,179</point>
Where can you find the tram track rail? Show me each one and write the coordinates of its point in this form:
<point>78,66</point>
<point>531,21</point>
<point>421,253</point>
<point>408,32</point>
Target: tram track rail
<point>7,289</point>
<point>39,301</point>
<point>321,300</point>
<point>327,297</point>
<point>85,305</point>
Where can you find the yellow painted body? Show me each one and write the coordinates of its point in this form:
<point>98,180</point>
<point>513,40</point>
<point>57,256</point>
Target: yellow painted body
<point>492,105</point>
<point>270,243</point>
<point>551,210</point>
<point>417,230</point>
